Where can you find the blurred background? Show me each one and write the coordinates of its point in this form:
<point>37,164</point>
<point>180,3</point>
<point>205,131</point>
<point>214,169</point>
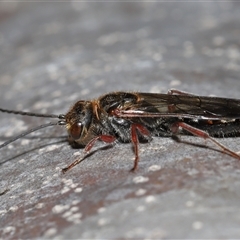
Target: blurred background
<point>55,53</point>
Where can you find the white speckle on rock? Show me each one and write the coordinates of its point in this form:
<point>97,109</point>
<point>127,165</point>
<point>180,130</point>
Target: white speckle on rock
<point>74,185</point>
<point>3,211</point>
<point>197,225</point>
<point>77,154</point>
<point>67,214</point>
<point>40,205</point>
<point>60,208</point>
<point>78,190</point>
<point>102,209</point>
<point>25,142</point>
<point>13,208</point>
<point>50,232</point>
<point>150,199</point>
<point>9,229</point>
<point>189,203</point>
<point>103,221</point>
<point>22,160</point>
<point>75,202</point>
<point>154,168</point>
<point>74,209</point>
<point>140,179</point>
<point>140,192</point>
<point>29,191</point>
<point>75,218</point>
<point>48,148</point>
<point>140,208</point>
<point>65,189</point>
<point>67,181</point>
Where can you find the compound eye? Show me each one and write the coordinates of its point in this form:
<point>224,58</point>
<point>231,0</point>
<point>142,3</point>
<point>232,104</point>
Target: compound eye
<point>76,130</point>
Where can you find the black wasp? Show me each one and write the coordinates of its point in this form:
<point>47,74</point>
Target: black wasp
<point>136,117</point>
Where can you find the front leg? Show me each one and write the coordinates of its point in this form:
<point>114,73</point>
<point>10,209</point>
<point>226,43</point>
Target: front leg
<point>88,147</point>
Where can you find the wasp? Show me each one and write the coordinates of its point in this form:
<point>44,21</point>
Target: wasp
<point>138,117</point>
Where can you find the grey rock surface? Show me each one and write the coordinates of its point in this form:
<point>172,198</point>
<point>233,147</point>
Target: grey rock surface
<point>53,54</point>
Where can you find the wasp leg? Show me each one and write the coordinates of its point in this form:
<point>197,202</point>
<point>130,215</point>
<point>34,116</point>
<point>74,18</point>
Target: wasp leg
<point>134,137</point>
<point>205,135</point>
<point>104,138</point>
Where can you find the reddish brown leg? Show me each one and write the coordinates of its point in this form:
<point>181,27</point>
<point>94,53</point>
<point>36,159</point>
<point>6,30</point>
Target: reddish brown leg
<point>104,138</point>
<point>205,135</point>
<point>134,137</point>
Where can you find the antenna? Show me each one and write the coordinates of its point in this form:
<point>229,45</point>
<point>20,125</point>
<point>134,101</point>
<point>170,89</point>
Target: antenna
<point>61,121</point>
<point>61,116</point>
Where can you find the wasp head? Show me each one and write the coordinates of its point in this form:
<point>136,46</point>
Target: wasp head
<point>78,119</point>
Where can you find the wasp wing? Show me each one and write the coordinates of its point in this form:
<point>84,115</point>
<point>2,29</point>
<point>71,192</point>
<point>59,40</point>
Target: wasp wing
<point>186,106</point>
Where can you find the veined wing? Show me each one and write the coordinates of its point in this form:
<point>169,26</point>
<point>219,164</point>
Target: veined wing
<point>186,106</point>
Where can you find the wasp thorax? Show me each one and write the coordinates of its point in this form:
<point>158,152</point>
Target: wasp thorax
<point>78,119</point>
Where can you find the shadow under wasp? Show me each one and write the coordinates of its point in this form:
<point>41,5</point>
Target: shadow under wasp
<point>137,117</point>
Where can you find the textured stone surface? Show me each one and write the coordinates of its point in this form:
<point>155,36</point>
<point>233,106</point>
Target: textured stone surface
<point>53,54</point>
